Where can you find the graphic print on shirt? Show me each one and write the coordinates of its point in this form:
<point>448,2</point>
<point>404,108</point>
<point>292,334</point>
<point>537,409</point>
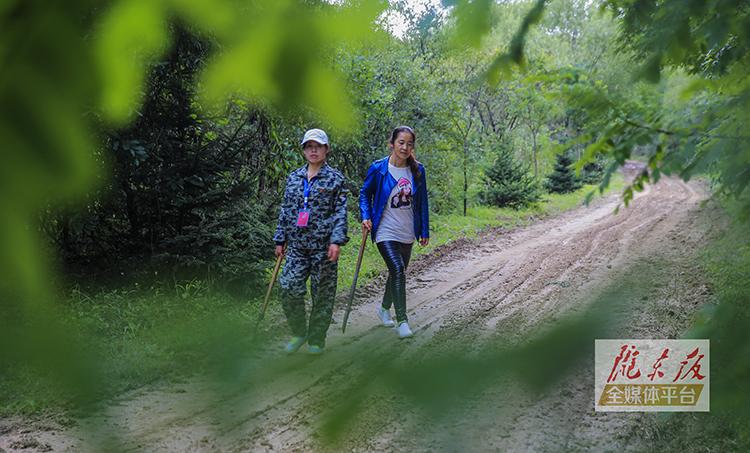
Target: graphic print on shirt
<point>402,198</point>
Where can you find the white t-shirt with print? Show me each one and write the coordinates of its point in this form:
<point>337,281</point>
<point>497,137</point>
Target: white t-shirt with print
<point>397,223</point>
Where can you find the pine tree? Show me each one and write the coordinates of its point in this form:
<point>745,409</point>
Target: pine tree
<point>593,172</point>
<point>508,183</point>
<point>563,179</point>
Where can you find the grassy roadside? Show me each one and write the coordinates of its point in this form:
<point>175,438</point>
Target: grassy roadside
<point>726,323</point>
<point>145,335</point>
<point>127,338</point>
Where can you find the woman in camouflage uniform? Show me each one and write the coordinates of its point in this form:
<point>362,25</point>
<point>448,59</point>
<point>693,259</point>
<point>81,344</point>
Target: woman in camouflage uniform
<point>312,227</point>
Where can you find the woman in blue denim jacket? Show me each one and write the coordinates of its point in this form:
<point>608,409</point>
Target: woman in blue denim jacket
<point>394,209</point>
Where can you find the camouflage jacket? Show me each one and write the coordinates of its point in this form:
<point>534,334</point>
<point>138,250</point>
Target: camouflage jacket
<point>327,206</point>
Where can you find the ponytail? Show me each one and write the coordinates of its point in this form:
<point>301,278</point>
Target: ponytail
<point>414,166</point>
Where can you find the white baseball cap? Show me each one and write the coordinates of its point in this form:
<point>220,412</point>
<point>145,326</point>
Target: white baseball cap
<point>317,135</point>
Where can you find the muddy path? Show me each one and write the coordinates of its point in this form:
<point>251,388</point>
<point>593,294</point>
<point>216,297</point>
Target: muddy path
<point>504,285</point>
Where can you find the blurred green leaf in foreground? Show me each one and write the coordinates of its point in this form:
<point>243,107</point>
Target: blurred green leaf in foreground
<point>72,69</point>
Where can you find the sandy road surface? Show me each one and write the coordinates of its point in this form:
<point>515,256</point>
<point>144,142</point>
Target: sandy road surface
<point>506,284</point>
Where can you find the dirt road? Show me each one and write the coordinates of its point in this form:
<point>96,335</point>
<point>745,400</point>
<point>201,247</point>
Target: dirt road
<point>504,285</point>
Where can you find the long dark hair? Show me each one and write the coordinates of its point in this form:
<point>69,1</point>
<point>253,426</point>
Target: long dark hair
<point>411,161</point>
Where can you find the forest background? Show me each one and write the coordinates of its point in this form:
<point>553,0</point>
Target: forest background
<point>146,145</point>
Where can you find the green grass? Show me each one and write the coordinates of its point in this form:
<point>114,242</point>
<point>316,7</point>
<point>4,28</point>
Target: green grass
<point>726,323</point>
<point>137,336</point>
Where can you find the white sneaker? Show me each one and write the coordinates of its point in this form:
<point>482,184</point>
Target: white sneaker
<point>385,316</point>
<point>404,331</point>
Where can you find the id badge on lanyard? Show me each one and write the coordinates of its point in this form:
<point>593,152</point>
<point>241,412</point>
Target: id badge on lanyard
<point>304,214</point>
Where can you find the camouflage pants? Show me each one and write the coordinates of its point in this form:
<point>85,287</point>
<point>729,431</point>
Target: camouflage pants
<point>301,264</point>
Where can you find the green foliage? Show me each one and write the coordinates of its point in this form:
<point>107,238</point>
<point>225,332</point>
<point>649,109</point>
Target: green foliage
<point>701,36</point>
<point>280,59</point>
<point>704,131</point>
<point>473,21</point>
<point>508,182</point>
<point>515,54</point>
<point>593,172</point>
<point>563,179</point>
<point>726,326</point>
<point>704,134</point>
<point>191,195</point>
<point>156,135</point>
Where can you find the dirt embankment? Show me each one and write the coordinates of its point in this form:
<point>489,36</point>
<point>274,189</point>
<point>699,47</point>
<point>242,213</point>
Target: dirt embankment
<point>503,285</point>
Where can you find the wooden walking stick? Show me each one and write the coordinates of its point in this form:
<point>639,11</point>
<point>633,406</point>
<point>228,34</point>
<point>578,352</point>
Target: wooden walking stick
<point>354,282</point>
<point>270,286</point>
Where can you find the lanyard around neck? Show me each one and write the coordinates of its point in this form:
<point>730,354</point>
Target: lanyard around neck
<point>308,184</point>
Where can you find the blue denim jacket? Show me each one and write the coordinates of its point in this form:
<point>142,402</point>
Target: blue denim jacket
<point>374,195</point>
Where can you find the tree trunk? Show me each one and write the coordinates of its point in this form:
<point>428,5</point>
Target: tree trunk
<point>536,164</point>
<point>466,178</point>
<point>131,212</point>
